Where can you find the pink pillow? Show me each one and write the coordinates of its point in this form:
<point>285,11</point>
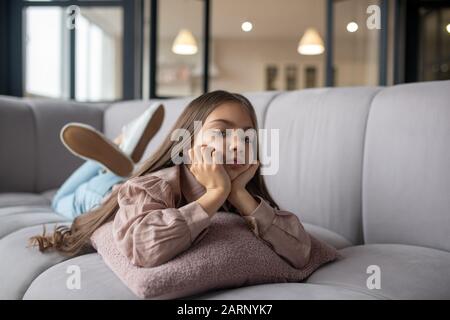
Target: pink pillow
<point>229,256</point>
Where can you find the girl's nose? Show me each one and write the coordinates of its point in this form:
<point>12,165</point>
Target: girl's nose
<point>236,147</point>
<point>234,142</point>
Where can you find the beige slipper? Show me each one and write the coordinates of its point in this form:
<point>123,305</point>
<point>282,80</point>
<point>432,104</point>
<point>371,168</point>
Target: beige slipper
<point>86,142</point>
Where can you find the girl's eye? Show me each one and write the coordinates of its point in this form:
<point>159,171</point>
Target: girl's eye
<point>222,133</point>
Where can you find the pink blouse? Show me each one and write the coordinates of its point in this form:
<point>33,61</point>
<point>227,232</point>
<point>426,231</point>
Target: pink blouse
<point>158,218</point>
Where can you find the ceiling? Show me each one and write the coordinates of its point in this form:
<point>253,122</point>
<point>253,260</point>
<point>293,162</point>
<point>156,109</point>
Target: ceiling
<point>270,18</point>
<point>280,19</point>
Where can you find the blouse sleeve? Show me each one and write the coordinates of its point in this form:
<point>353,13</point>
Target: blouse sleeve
<point>148,229</point>
<point>282,231</point>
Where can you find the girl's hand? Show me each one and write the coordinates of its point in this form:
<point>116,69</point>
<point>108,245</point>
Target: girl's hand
<point>207,171</point>
<point>238,184</point>
<point>239,197</point>
<point>212,176</point>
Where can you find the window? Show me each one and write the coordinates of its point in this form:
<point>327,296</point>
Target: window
<point>434,44</point>
<point>356,48</point>
<point>46,52</point>
<point>98,54</point>
<point>154,48</point>
<point>84,50</point>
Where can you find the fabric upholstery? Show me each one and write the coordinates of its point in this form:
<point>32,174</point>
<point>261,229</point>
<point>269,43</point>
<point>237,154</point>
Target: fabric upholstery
<point>407,272</point>
<point>285,291</point>
<point>12,199</point>
<point>321,134</point>
<point>53,161</point>
<point>97,282</point>
<point>21,264</point>
<point>17,146</point>
<point>17,221</point>
<point>406,190</point>
<point>332,238</point>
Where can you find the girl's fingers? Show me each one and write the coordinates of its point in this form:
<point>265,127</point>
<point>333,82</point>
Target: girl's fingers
<point>218,157</point>
<point>207,154</point>
<point>213,155</point>
<point>198,155</point>
<point>191,155</point>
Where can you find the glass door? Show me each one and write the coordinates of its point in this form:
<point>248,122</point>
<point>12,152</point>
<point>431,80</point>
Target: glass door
<point>434,44</point>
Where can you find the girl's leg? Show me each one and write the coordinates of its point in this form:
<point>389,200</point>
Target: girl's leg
<point>87,195</point>
<point>83,174</point>
<point>94,191</point>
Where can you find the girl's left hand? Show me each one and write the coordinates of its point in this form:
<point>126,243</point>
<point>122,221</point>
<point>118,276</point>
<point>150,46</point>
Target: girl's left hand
<point>239,197</point>
<point>238,184</point>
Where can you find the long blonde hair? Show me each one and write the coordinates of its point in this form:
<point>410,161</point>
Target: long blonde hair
<point>76,238</point>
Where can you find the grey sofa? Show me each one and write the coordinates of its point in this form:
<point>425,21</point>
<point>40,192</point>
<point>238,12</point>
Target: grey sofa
<point>366,169</point>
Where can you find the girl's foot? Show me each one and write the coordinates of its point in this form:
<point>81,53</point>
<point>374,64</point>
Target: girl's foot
<point>137,134</point>
<point>86,142</point>
<point>118,139</point>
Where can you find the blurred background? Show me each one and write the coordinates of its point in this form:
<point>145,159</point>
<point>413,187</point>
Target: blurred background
<point>108,50</point>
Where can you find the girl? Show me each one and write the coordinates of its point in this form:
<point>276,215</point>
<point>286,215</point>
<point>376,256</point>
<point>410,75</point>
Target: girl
<point>165,207</point>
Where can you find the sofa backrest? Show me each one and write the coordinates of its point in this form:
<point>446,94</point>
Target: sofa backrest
<point>406,183</point>
<point>32,157</point>
<point>321,155</point>
<point>17,149</point>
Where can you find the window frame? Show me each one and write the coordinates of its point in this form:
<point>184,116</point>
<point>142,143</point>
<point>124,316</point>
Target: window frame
<point>382,45</point>
<point>132,39</point>
<point>153,52</point>
<point>133,12</point>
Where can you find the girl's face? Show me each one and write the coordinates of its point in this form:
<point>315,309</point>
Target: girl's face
<point>234,147</point>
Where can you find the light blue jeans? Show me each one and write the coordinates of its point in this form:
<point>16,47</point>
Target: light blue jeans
<point>84,190</point>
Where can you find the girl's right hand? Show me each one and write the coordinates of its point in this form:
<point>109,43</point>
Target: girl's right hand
<point>207,171</point>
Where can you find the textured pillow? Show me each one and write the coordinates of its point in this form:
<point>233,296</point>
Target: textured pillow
<point>228,256</point>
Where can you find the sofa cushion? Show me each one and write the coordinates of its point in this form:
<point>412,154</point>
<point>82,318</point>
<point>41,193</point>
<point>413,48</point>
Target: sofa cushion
<point>23,209</point>
<point>12,199</point>
<point>407,272</point>
<point>229,255</point>
<point>329,237</point>
<point>49,194</point>
<point>97,281</point>
<point>20,264</point>
<point>17,146</point>
<point>13,222</point>
<point>321,147</point>
<point>286,291</point>
<point>406,186</point>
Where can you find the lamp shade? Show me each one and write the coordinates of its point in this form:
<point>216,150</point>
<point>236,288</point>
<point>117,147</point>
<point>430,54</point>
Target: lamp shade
<point>185,43</point>
<point>311,43</point>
